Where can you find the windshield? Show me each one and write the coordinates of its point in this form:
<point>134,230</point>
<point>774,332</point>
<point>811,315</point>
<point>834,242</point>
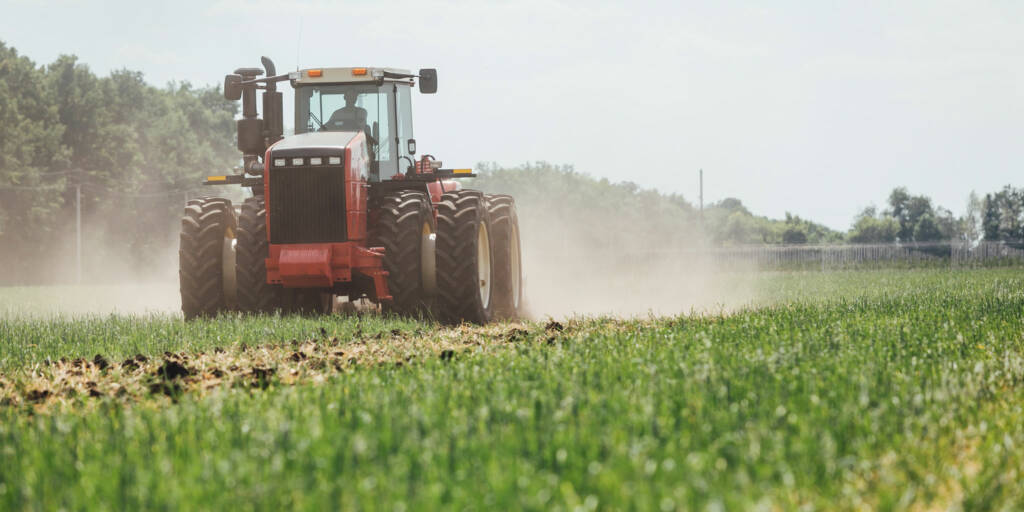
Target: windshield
<point>352,107</point>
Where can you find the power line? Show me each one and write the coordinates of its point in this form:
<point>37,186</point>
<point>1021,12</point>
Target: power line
<point>25,187</point>
<point>102,189</point>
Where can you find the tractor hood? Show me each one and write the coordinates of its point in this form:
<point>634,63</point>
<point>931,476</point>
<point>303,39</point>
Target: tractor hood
<point>313,144</point>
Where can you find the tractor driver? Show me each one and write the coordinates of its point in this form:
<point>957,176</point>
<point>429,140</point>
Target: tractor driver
<point>349,117</point>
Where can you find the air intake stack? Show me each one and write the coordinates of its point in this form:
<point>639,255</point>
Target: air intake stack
<point>256,134</point>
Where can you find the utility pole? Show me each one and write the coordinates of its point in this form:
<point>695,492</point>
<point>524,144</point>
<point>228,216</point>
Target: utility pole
<point>702,198</point>
<point>78,228</point>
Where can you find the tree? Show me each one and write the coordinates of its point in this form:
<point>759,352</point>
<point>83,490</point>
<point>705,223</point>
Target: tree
<point>927,229</point>
<point>972,225</point>
<point>950,228</point>
<point>908,210</point>
<point>869,228</point>
<point>794,235</point>
<point>990,218</point>
<point>899,210</point>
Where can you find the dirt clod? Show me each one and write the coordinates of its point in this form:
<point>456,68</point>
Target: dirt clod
<point>554,325</point>
<point>169,388</point>
<point>261,376</point>
<point>100,362</point>
<point>516,334</point>
<point>37,395</point>
<point>172,369</point>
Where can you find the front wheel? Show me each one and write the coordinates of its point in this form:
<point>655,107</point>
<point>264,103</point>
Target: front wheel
<point>206,266</point>
<point>255,295</point>
<point>405,228</point>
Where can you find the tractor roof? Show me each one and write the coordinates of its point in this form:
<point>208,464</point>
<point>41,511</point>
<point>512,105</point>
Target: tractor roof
<point>341,75</point>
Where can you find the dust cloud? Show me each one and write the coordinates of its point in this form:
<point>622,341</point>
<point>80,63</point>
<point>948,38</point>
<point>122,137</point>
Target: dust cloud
<point>575,263</point>
<point>117,277</point>
<point>571,269</point>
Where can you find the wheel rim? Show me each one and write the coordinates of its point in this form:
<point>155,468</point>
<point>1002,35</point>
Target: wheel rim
<point>428,261</point>
<point>517,275</point>
<point>227,262</point>
<point>483,265</point>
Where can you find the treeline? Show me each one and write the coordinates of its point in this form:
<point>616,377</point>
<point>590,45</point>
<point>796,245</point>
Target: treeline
<point>135,151</point>
<point>623,213</point>
<point>998,216</point>
<point>1002,215</point>
<point>625,217</point>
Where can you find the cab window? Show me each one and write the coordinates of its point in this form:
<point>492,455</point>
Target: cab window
<point>352,107</point>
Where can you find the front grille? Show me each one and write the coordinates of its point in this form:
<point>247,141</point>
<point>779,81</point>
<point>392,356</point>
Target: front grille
<point>307,205</point>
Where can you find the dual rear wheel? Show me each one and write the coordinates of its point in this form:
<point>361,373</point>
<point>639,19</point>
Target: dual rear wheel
<point>479,276</point>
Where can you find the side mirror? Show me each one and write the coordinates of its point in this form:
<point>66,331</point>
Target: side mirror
<point>428,81</point>
<point>232,91</point>
<point>410,146</point>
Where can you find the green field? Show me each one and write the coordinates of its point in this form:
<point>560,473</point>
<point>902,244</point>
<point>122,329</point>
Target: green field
<point>848,390</point>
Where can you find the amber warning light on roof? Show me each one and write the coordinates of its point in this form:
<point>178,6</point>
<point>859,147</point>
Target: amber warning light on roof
<point>358,71</point>
<point>315,73</point>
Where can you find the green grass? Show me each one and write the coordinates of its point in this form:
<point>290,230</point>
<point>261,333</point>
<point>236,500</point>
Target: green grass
<point>27,340</point>
<point>879,390</point>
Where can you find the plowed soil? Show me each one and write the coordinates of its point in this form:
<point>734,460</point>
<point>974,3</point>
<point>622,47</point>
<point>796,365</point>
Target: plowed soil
<point>164,379</point>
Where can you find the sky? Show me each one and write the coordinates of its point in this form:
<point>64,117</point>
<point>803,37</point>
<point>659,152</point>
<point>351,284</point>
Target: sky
<point>814,108</point>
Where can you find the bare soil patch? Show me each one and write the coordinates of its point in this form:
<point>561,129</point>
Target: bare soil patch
<point>165,379</point>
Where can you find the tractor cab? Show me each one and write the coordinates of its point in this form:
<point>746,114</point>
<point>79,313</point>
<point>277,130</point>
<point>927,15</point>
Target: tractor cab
<point>374,101</point>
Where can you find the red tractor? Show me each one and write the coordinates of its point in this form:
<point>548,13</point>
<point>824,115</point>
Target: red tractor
<point>345,208</point>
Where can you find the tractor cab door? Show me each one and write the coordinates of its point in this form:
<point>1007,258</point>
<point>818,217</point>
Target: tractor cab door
<point>403,98</point>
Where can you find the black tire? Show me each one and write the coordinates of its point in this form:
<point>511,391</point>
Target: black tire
<point>403,217</point>
<point>507,257</point>
<point>255,295</point>
<point>207,224</point>
<point>463,295</point>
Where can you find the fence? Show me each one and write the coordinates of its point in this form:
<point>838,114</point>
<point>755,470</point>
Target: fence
<point>832,257</point>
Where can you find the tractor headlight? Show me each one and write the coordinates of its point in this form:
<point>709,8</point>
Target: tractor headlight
<point>296,161</point>
<point>279,162</point>
<point>334,160</point>
<point>316,160</point>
